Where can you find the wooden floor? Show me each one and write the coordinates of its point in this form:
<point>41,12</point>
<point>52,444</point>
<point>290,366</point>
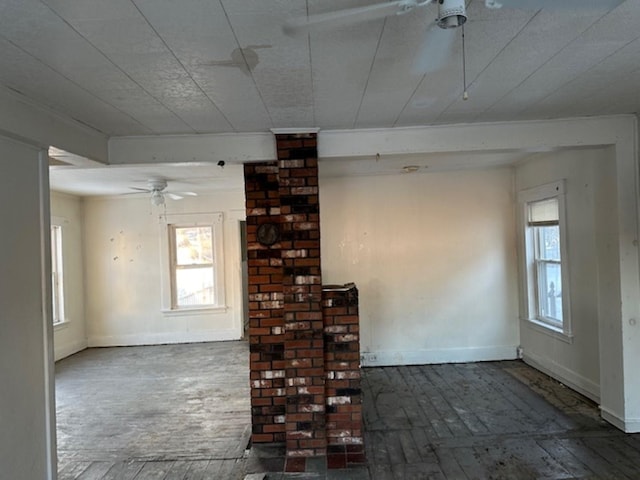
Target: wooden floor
<point>494,420</point>
<point>182,412</point>
<point>159,412</point>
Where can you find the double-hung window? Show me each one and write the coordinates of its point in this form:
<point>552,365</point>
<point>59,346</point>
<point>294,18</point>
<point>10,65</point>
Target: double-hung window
<point>192,262</point>
<point>545,258</point>
<point>544,223</point>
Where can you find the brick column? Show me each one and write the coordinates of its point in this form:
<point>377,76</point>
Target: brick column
<point>266,323</point>
<point>304,342</point>
<point>302,289</point>
<point>345,437</point>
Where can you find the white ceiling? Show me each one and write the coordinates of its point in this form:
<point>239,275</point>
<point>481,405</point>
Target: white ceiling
<point>139,67</point>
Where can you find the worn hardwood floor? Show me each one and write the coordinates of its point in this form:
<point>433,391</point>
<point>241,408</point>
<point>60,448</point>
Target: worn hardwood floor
<point>158,412</point>
<point>494,420</point>
<point>180,412</point>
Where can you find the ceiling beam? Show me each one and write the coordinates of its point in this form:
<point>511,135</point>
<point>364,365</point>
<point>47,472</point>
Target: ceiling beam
<point>227,147</point>
<point>527,136</point>
<point>24,120</point>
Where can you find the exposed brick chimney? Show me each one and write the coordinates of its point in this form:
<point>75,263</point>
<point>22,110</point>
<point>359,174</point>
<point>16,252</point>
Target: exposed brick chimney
<point>293,330</point>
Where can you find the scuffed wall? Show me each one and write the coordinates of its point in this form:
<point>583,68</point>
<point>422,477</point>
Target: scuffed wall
<point>123,272</point>
<point>434,258</point>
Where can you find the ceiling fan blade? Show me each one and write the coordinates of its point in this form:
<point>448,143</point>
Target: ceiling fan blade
<point>141,190</point>
<point>173,196</point>
<point>348,16</point>
<point>554,4</point>
<point>436,49</point>
<point>181,194</point>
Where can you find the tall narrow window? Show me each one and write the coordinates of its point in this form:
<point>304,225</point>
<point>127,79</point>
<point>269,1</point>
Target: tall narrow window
<point>546,284</point>
<point>57,278</point>
<point>192,259</point>
<point>545,224</point>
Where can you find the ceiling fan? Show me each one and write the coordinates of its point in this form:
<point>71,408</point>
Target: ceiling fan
<point>438,42</point>
<point>157,188</point>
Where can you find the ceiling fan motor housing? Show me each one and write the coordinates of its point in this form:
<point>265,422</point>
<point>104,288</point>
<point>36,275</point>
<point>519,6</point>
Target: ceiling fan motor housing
<point>157,184</point>
<point>157,198</point>
<point>451,13</point>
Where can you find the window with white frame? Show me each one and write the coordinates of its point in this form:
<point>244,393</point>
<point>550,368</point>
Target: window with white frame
<point>545,257</point>
<point>57,277</point>
<point>192,268</point>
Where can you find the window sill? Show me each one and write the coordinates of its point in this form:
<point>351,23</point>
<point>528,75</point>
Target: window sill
<point>61,325</point>
<point>547,329</point>
<point>180,312</point>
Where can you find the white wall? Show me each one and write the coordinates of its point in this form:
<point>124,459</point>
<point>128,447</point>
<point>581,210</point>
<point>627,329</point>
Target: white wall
<point>123,282</point>
<point>575,362</point>
<point>70,337</point>
<point>27,431</point>
<point>434,258</point>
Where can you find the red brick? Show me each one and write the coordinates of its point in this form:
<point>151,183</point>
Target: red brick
<point>262,438</point>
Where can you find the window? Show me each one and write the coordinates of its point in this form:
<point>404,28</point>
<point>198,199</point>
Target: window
<point>57,278</point>
<point>192,261</point>
<point>545,225</point>
<point>546,283</point>
<point>192,272</point>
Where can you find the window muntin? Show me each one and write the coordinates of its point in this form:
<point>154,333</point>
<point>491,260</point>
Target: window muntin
<point>57,277</point>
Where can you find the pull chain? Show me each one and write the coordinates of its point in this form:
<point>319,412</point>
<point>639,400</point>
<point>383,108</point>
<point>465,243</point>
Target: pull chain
<point>465,94</point>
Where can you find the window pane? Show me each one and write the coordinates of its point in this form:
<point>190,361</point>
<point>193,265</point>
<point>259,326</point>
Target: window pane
<point>194,287</point>
<point>544,211</point>
<point>548,239</point>
<point>194,245</point>
<point>57,291</point>
<point>550,290</point>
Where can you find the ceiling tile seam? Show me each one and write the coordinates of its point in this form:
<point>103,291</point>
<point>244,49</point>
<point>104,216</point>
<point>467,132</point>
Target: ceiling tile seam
<point>313,90</point>
<point>542,66</point>
<point>73,82</point>
<point>415,90</point>
<point>506,45</point>
<point>133,2</point>
<point>118,68</point>
<point>253,79</point>
<point>576,77</point>
<point>366,85</point>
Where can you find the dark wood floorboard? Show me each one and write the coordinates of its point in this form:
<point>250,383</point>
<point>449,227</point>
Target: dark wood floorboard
<point>182,413</point>
<point>124,471</point>
<point>493,420</point>
<point>160,412</point>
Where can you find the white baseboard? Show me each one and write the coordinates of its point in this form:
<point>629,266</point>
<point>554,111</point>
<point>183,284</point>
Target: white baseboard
<point>161,338</point>
<point>67,349</point>
<point>572,379</point>
<point>384,358</point>
<point>627,426</point>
